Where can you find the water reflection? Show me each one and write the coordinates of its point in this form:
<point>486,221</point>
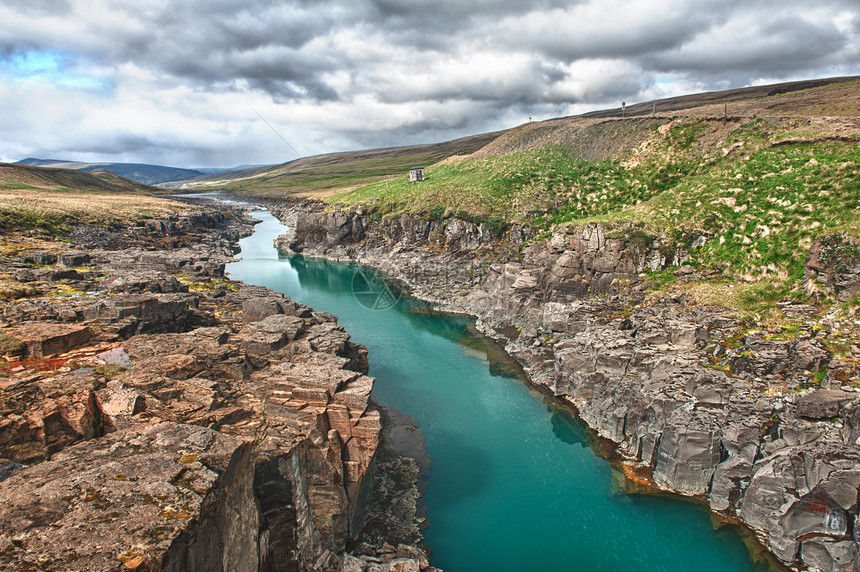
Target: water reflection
<point>315,273</point>
<point>567,429</point>
<point>337,278</point>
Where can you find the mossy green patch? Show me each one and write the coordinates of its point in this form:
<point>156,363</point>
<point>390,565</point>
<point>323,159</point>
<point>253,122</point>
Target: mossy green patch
<point>11,346</point>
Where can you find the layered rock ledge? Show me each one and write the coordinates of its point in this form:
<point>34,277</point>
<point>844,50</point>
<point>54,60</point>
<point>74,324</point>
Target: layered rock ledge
<point>158,416</point>
<point>764,426</point>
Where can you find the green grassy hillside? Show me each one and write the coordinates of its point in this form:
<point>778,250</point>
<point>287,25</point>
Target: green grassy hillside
<point>761,185</point>
<point>322,175</point>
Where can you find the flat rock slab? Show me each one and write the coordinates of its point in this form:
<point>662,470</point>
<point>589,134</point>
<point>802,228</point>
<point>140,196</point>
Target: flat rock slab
<point>119,503</point>
<point>45,339</point>
<point>823,404</point>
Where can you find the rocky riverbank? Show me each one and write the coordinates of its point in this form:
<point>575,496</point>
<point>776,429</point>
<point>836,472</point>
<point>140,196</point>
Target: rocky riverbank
<point>158,416</point>
<point>762,424</point>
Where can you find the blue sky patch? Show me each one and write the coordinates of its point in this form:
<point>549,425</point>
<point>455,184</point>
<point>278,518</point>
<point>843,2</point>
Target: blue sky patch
<point>49,66</point>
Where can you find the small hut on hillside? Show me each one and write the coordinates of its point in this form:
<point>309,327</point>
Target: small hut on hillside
<point>416,174</point>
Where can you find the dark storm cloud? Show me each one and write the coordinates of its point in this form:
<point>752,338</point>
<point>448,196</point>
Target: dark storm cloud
<point>782,44</point>
<point>286,48</point>
<point>198,41</point>
<point>263,46</point>
<point>189,75</point>
<point>570,35</point>
<point>451,14</point>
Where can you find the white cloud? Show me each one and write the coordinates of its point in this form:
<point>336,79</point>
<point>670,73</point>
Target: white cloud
<point>181,83</point>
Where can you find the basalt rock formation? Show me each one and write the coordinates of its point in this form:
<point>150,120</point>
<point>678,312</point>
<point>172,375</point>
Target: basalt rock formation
<point>157,416</point>
<point>761,425</point>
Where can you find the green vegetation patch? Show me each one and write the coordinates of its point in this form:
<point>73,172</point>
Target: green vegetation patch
<point>543,187</point>
<point>206,285</point>
<point>11,346</point>
<point>763,210</point>
<point>12,218</point>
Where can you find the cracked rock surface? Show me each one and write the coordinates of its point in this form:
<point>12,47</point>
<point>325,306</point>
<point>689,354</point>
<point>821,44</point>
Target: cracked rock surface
<point>157,416</point>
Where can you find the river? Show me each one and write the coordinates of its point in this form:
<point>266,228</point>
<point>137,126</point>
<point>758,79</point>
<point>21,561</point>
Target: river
<point>514,485</point>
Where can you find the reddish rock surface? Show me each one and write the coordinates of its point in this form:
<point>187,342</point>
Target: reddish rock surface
<point>48,339</point>
<point>147,497</point>
<point>174,420</point>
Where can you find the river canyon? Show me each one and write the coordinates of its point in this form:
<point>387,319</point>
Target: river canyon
<point>513,483</point>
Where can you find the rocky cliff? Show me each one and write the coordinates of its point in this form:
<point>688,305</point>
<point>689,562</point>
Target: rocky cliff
<point>157,416</point>
<point>763,425</point>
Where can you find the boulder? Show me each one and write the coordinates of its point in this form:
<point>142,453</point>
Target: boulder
<point>60,275</point>
<point>7,469</point>
<point>259,308</point>
<point>40,257</point>
<point>834,260</point>
<point>140,282</point>
<point>121,402</point>
<point>46,339</point>
<point>144,313</point>
<point>816,514</point>
<point>73,258</point>
<point>271,333</point>
<point>823,403</point>
<point>686,460</point>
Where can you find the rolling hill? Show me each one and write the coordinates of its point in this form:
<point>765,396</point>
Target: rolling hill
<point>764,172</point>
<point>595,136</point>
<point>18,176</point>
<point>323,175</point>
<point>140,172</point>
<point>52,199</point>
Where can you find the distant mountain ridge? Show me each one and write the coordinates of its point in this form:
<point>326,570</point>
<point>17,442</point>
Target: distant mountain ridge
<point>15,176</point>
<point>215,170</point>
<point>140,172</point>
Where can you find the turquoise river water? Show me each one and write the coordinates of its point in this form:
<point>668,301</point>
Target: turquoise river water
<point>513,485</point>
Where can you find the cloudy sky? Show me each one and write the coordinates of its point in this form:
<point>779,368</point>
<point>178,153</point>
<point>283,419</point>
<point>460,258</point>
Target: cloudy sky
<point>221,82</point>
